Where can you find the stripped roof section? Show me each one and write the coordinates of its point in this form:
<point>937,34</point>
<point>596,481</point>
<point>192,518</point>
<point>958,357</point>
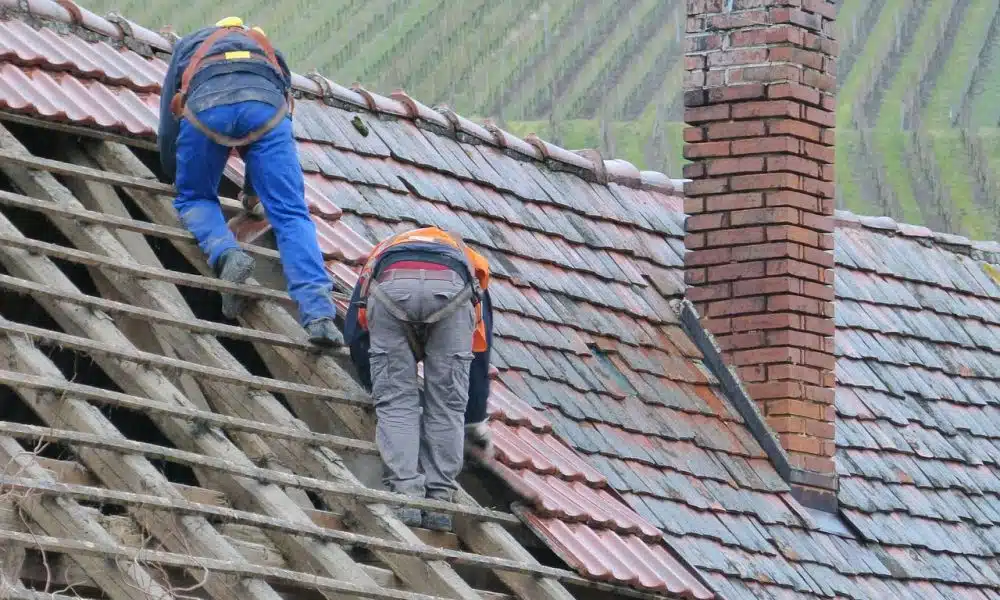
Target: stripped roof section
<point>380,173</point>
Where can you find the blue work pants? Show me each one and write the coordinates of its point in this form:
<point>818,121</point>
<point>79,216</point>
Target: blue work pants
<point>277,178</point>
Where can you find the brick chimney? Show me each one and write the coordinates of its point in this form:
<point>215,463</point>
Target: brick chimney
<point>760,103</point>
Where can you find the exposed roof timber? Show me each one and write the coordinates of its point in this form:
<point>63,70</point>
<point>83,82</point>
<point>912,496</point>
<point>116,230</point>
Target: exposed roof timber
<point>484,538</point>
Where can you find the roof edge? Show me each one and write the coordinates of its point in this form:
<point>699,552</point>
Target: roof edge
<point>988,251</point>
<point>587,163</point>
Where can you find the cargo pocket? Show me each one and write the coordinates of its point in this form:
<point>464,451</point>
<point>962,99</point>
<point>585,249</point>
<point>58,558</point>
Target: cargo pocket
<point>458,395</point>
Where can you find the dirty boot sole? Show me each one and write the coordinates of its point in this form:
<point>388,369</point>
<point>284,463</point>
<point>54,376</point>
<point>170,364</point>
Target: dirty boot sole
<point>409,516</point>
<point>237,270</point>
<point>436,521</point>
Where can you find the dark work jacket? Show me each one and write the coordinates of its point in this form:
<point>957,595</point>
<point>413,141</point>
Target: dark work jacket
<point>359,342</point>
<point>216,84</point>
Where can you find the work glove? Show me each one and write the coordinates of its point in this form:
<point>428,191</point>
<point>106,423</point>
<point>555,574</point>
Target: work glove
<point>479,437</point>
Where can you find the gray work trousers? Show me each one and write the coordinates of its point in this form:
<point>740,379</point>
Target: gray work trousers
<point>420,439</point>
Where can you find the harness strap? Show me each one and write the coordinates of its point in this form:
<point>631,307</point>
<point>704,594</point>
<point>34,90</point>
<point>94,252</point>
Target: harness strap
<point>231,142</point>
<point>417,340</point>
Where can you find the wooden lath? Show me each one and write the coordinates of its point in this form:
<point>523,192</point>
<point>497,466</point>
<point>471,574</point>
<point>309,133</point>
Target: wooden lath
<point>484,538</point>
<point>321,463</point>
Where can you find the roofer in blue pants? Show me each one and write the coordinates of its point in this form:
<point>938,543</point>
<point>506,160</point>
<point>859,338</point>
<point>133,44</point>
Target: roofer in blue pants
<point>227,87</point>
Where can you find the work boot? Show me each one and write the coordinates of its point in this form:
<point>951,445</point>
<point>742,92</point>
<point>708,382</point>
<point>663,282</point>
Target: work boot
<point>437,521</point>
<point>324,333</point>
<point>409,516</point>
<point>234,266</point>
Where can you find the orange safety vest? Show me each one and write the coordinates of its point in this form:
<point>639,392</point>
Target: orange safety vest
<point>478,271</point>
<point>200,59</point>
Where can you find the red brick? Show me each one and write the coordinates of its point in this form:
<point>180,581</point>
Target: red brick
<point>693,206</point>
<point>765,251</point>
<point>751,373</point>
<point>768,35</point>
<point>822,258</point>
<point>787,424</point>
<point>740,56</point>
<point>823,223</point>
<point>820,395</point>
<point>765,73</point>
<point>701,258</point>
<point>740,20</point>
<point>706,186</point>
<point>826,241</point>
<point>819,325</point>
<point>801,443</point>
<point>764,181</point>
<point>816,187</point>
<point>695,170</point>
<point>718,326</point>
<point>728,166</point>
<point>732,237</point>
<point>702,43</point>
<point>819,80</point>
<point>694,79</point>
<point>821,7</point>
<point>828,173</point>
<point>734,201</point>
<point>765,356</point>
<point>812,463</point>
<point>766,145</point>
<point>829,137</point>
<point>801,339</point>
<point>706,221</point>
<point>794,91</point>
<point>799,129</point>
<point>704,293</point>
<point>693,277</point>
<point>794,268</point>
<point>694,62</point>
<point>703,7</point>
<point>794,164</point>
<point>820,117</point>
<point>692,151</point>
<point>792,406</point>
<point>820,291</point>
<point>736,93</point>
<point>747,4</point>
<point>742,341</point>
<point>821,429</point>
<point>693,241</point>
<point>723,131</point>
<point>767,321</point>
<point>792,233</point>
<point>828,102</point>
<point>731,271</point>
<point>793,199</point>
<point>739,306</point>
<point>776,390</point>
<point>778,372</point>
<point>797,17</point>
<point>694,134</point>
<point>820,360</point>
<point>704,114</point>
<point>764,216</point>
<point>769,285</point>
<point>799,56</point>
<point>794,303</point>
<point>817,152</point>
<point>767,108</point>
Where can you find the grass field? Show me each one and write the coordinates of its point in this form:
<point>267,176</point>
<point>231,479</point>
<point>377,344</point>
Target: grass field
<point>919,80</point>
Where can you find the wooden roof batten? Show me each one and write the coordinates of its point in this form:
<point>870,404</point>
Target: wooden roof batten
<point>237,418</point>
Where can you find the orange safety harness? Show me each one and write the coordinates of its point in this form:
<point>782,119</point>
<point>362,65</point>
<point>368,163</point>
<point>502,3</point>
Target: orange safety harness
<point>200,59</point>
<point>478,270</point>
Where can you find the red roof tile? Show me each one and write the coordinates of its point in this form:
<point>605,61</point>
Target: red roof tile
<point>352,184</point>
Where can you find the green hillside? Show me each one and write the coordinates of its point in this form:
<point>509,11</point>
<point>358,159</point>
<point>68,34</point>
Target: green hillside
<point>919,101</point>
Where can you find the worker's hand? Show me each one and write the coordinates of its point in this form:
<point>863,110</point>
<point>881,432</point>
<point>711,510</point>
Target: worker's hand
<point>252,205</point>
<point>479,436</point>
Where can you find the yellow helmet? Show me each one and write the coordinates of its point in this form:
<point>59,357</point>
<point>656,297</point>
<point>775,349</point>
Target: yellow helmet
<point>259,30</point>
<point>230,22</point>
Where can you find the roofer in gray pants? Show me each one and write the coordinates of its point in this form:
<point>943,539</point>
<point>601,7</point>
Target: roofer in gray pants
<point>421,297</point>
